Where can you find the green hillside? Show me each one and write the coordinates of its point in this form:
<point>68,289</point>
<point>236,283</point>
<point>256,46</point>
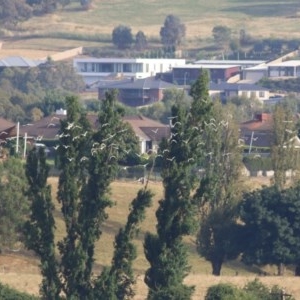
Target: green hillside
<point>259,18</point>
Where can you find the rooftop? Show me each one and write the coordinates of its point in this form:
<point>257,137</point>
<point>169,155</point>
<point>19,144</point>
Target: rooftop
<point>19,61</point>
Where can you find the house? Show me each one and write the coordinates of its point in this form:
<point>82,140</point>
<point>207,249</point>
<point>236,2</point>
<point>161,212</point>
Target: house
<point>136,92</point>
<point>255,73</point>
<point>148,132</point>
<point>186,75</point>
<point>277,70</point>
<point>94,69</point>
<point>226,90</point>
<point>285,69</point>
<point>257,134</point>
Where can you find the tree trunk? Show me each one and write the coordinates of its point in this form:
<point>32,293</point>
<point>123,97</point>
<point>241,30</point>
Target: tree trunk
<point>297,270</point>
<point>216,267</point>
<point>281,269</point>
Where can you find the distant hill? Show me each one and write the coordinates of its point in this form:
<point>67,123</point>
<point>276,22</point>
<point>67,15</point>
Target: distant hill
<point>93,27</point>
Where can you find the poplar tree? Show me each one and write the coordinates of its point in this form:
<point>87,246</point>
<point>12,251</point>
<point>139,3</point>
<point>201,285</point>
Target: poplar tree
<point>89,162</point>
<point>117,282</point>
<point>283,151</point>
<point>181,155</point>
<point>74,138</point>
<point>39,229</point>
<point>219,190</point>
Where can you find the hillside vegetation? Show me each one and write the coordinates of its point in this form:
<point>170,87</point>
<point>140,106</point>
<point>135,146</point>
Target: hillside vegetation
<point>72,26</point>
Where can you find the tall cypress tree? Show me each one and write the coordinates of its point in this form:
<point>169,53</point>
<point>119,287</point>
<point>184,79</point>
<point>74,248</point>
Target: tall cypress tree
<point>165,250</point>
<point>106,149</point>
<point>88,162</point>
<point>181,153</point>
<point>116,282</point>
<point>39,229</point>
<point>72,147</point>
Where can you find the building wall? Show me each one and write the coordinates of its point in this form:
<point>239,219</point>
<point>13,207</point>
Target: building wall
<point>135,97</point>
<point>93,69</point>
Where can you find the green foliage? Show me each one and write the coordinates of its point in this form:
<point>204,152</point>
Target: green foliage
<point>271,226</point>
<point>256,163</point>
<point>221,291</point>
<point>88,161</point>
<point>140,41</point>
<point>222,35</point>
<point>14,206</point>
<point>162,110</point>
<point>254,290</point>
<point>71,181</point>
<point>283,152</point>
<point>218,192</point>
<point>165,250</point>
<point>173,32</point>
<point>13,11</point>
<point>7,293</point>
<point>117,281</point>
<point>122,37</point>
<point>39,229</point>
<point>44,87</point>
<point>291,85</point>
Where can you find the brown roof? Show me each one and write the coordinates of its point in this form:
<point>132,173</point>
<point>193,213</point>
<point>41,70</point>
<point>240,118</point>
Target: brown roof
<point>5,124</point>
<point>258,132</point>
<point>48,127</point>
<point>148,129</point>
<point>261,122</point>
<point>45,128</point>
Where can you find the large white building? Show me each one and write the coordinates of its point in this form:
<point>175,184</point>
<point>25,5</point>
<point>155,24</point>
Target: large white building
<point>95,69</point>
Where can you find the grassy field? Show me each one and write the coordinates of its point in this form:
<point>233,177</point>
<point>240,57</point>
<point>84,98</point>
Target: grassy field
<point>269,18</point>
<point>21,270</point>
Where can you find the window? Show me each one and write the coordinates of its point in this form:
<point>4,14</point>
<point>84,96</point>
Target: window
<point>127,68</point>
<point>261,94</point>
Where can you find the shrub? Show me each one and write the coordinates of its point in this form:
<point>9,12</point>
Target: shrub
<point>7,293</point>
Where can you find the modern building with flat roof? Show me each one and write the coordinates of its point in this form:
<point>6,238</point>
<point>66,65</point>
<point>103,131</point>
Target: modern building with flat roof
<point>92,69</point>
<point>242,63</point>
<point>290,68</point>
<point>187,74</point>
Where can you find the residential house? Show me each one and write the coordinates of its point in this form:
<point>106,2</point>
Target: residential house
<point>254,74</point>
<point>148,132</point>
<point>136,92</point>
<point>94,69</point>
<point>226,91</point>
<point>257,134</point>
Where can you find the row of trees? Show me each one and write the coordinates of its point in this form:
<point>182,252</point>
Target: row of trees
<point>172,35</point>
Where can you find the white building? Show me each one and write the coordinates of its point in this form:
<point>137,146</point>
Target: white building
<point>94,69</point>
<point>286,69</point>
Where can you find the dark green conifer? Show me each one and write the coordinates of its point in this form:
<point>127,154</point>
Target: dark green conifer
<point>39,229</point>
